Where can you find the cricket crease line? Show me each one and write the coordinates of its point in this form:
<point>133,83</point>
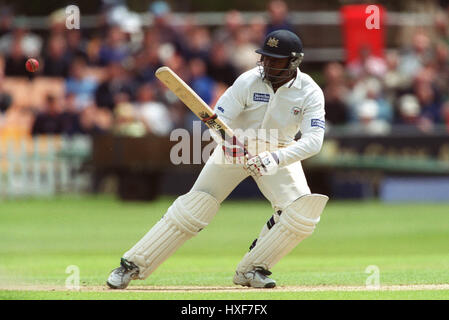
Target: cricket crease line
<point>154,289</point>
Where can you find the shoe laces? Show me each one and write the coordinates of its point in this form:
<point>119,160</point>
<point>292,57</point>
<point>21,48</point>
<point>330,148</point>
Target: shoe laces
<point>263,271</point>
<point>126,266</point>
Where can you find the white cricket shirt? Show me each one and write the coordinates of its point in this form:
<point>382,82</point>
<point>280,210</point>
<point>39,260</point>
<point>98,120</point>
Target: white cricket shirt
<point>297,106</point>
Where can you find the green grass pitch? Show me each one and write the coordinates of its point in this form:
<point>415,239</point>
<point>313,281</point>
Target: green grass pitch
<point>40,238</point>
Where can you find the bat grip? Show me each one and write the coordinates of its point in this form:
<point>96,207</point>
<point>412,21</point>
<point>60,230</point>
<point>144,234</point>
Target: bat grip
<point>236,142</point>
<point>212,117</point>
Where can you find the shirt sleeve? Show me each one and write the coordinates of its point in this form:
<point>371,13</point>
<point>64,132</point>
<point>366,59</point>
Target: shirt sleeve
<point>312,132</point>
<point>232,102</point>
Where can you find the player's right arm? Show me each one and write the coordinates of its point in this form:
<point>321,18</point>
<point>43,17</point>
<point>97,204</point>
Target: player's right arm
<point>231,103</point>
<point>228,108</point>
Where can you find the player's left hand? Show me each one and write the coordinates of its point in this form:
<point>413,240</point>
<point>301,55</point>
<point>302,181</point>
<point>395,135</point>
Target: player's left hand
<point>265,163</point>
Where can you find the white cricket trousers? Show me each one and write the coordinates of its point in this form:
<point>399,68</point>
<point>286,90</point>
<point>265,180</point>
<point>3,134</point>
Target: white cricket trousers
<point>281,189</point>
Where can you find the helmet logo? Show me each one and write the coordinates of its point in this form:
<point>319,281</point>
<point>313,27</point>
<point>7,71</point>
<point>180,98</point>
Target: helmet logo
<point>272,42</point>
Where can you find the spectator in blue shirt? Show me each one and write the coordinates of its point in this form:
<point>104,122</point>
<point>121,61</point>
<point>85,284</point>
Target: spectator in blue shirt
<point>115,47</point>
<point>80,84</point>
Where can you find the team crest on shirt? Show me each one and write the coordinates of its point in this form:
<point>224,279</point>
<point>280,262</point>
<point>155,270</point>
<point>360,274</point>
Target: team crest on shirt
<point>296,110</point>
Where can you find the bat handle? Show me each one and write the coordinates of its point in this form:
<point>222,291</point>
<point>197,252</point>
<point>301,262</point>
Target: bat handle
<point>212,117</point>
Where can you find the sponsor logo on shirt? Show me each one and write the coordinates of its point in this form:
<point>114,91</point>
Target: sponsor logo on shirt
<point>317,123</point>
<point>264,97</point>
<point>220,109</point>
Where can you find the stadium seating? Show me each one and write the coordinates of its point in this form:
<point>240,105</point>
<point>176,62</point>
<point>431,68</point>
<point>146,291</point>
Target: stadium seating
<point>32,92</point>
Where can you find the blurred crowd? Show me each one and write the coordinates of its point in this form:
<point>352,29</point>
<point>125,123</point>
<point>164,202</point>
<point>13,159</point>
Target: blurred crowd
<point>407,89</point>
<point>107,73</point>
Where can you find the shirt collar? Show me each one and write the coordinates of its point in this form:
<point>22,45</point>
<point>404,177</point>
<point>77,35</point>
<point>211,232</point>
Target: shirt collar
<point>296,81</point>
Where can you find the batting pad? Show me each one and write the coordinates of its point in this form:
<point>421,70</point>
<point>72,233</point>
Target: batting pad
<point>296,223</point>
<point>187,216</point>
<point>267,226</point>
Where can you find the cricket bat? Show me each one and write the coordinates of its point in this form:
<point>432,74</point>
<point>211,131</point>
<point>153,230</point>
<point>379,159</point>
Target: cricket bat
<point>194,102</point>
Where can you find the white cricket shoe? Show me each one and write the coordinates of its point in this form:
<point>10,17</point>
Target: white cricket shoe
<point>256,278</point>
<point>120,277</point>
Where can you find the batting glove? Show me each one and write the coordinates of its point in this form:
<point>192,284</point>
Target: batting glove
<point>265,163</point>
<point>234,152</point>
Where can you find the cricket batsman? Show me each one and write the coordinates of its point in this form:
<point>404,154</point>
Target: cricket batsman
<point>275,96</point>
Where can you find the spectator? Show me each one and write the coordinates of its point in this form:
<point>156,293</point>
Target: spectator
<point>93,48</point>
<point>335,91</point>
<point>117,82</point>
<point>56,61</point>
<point>232,26</point>
<point>368,89</point>
<point>369,119</point>
<point>76,45</point>
<point>369,111</point>
<point>80,84</point>
<point>5,102</point>
<point>70,118</point>
<point>243,54</point>
<point>198,45</point>
<point>408,110</point>
<point>146,62</point>
<point>101,27</point>
<point>119,15</point>
<point>441,67</point>
<point>49,121</point>
<point>219,67</point>
<point>429,100</point>
<point>126,123</point>
<point>6,20</point>
<point>57,22</point>
<point>30,44</point>
<point>5,97</point>
<point>367,65</point>
<point>445,113</point>
<point>201,83</point>
<point>394,81</point>
<point>162,25</point>
<point>115,47</point>
<point>153,114</point>
<point>278,16</point>
<point>15,61</point>
<point>257,27</point>
<point>103,119</point>
<point>151,38</point>
<point>416,57</point>
<point>442,27</point>
<point>95,120</point>
<point>375,93</point>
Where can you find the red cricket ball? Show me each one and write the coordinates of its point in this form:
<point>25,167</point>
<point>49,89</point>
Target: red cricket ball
<point>32,65</point>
